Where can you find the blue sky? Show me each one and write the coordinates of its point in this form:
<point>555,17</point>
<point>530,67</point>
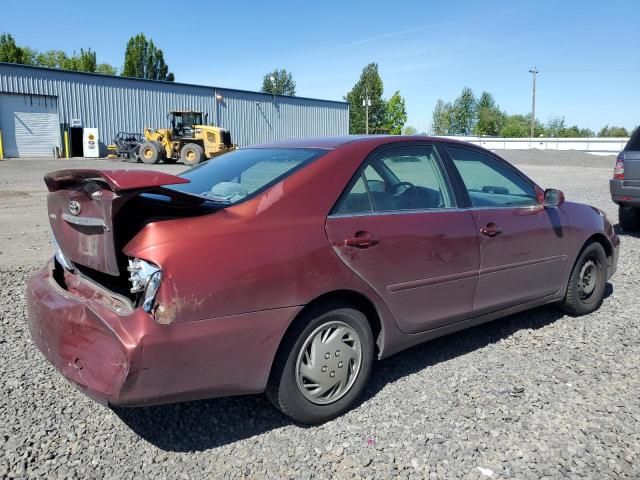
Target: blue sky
<point>588,53</point>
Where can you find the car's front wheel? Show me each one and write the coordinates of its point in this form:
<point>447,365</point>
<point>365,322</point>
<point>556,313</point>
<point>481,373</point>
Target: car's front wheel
<point>323,364</point>
<point>587,282</point>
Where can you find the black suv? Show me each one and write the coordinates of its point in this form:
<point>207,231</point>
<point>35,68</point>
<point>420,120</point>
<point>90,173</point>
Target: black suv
<point>625,185</point>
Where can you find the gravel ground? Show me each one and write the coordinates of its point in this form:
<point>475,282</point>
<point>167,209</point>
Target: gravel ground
<point>534,395</point>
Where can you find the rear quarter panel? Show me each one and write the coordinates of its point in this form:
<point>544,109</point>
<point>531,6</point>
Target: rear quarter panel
<point>269,252</point>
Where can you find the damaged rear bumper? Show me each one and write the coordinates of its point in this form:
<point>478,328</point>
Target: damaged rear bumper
<point>124,357</point>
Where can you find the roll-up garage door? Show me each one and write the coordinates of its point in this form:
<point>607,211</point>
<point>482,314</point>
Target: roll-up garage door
<point>30,125</point>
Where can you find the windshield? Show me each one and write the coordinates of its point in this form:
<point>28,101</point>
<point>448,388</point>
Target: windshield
<point>187,119</point>
<point>232,177</point>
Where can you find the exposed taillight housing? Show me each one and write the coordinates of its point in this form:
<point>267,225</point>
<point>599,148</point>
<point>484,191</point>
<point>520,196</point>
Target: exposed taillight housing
<point>145,277</point>
<point>618,170</point>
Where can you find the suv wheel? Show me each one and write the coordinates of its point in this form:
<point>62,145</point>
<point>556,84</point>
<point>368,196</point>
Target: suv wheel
<point>323,364</point>
<point>629,218</point>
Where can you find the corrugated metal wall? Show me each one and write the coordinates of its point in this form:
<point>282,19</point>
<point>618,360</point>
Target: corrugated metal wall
<point>114,104</point>
<point>256,118</point>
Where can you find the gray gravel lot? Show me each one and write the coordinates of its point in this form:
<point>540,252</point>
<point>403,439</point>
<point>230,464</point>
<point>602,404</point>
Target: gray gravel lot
<point>534,395</point>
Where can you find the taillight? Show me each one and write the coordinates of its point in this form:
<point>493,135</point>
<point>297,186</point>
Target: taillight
<point>145,277</point>
<point>618,170</point>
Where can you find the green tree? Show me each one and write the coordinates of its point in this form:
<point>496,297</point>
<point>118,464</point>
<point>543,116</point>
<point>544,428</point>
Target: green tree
<point>9,51</point>
<point>575,131</point>
<point>409,130</point>
<point>106,69</point>
<point>142,59</point>
<point>515,126</point>
<point>519,126</point>
<point>51,59</point>
<point>368,86</point>
<point>83,62</point>
<point>489,117</point>
<point>442,122</point>
<point>555,127</point>
<point>486,100</point>
<point>29,56</point>
<point>464,112</point>
<point>608,131</point>
<point>279,82</point>
<point>396,114</point>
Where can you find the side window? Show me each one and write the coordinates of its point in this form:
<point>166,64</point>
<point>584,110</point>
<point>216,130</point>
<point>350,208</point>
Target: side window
<point>634,142</point>
<point>357,200</point>
<point>374,181</point>
<point>403,178</point>
<point>489,182</point>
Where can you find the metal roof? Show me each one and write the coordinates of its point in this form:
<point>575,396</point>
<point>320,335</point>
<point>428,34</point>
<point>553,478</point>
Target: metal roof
<point>164,82</point>
<point>331,142</point>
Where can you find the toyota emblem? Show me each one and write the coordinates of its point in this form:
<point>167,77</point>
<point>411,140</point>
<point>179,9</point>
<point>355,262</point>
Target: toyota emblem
<point>74,207</point>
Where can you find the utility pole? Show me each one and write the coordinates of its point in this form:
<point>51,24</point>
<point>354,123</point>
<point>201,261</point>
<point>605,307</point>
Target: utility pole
<point>366,103</point>
<point>534,72</point>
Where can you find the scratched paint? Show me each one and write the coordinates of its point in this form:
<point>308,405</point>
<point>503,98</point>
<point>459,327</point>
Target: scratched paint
<point>271,197</point>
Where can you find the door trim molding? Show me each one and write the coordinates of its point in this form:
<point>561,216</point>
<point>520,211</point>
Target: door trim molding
<point>399,287</point>
<point>526,263</point>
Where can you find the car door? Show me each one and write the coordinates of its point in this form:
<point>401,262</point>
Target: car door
<point>398,226</point>
<point>523,246</point>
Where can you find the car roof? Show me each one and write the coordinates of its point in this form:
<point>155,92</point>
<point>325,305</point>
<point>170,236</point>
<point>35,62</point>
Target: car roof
<point>331,143</point>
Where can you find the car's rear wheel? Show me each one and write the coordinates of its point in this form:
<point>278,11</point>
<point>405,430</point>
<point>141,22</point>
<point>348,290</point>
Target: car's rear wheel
<point>629,218</point>
<point>323,364</point>
<point>587,282</point>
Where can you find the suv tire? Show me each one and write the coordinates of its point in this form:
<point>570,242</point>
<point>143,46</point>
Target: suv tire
<point>629,218</point>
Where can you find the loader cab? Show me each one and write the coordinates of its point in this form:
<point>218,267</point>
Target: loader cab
<point>182,123</point>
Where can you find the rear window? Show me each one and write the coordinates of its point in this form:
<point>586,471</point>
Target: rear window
<point>634,142</point>
<point>235,176</point>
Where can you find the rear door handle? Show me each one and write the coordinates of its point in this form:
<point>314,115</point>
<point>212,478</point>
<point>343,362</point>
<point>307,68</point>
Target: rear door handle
<point>361,240</point>
<point>491,230</point>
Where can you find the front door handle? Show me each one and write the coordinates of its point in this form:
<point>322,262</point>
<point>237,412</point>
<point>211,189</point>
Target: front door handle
<point>491,230</point>
<point>361,240</point>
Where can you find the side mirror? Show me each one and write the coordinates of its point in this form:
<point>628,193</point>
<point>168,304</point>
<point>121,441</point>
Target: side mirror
<point>553,197</point>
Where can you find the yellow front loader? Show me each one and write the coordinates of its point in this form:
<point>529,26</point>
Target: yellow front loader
<point>188,140</point>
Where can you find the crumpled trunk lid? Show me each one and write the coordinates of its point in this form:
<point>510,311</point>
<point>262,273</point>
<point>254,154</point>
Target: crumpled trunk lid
<point>83,205</point>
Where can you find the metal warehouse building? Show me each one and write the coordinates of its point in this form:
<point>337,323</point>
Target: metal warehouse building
<point>37,105</point>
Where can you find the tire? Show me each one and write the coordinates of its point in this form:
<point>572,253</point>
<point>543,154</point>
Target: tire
<point>191,154</point>
<point>583,296</point>
<point>629,218</point>
<point>293,393</point>
<point>149,152</point>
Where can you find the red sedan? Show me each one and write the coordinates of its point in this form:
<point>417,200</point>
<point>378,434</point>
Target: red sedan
<point>289,267</point>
